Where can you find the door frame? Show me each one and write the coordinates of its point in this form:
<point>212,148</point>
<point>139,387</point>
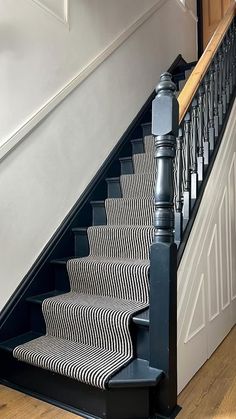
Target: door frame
<point>200,28</point>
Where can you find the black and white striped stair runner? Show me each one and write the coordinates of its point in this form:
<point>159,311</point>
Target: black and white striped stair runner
<point>87,330</point>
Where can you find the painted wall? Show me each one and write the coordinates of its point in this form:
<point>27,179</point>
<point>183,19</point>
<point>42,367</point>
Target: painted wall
<point>40,53</point>
<point>41,178</point>
<point>207,273</point>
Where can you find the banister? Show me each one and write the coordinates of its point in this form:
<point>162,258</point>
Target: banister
<point>187,94</point>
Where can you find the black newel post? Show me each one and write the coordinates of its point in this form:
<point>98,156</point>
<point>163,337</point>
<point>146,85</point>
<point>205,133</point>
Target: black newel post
<point>163,260</point>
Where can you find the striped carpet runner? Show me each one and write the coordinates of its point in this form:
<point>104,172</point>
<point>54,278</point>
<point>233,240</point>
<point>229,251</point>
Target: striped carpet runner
<point>87,330</point>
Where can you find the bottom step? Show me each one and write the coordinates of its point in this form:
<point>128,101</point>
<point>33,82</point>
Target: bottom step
<point>126,398</point>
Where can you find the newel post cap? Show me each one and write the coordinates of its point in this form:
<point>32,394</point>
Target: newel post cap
<point>165,108</point>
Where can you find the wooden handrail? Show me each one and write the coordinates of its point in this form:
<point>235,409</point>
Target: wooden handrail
<point>187,94</point>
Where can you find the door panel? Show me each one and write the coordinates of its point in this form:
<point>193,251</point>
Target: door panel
<point>212,13</point>
<point>226,4</point>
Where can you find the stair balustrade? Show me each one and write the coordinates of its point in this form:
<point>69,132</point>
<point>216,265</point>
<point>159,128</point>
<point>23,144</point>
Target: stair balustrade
<point>187,133</point>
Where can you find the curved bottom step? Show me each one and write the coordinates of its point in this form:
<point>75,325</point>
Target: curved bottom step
<point>131,386</point>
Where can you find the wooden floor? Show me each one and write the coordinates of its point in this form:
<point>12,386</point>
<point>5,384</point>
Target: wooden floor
<point>210,395</point>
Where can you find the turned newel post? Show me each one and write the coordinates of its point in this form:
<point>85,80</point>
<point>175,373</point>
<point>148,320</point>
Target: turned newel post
<point>165,113</point>
<point>163,252</point>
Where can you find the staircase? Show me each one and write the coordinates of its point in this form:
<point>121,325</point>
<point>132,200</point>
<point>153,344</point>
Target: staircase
<point>79,333</point>
<point>85,340</point>
<point>94,338</point>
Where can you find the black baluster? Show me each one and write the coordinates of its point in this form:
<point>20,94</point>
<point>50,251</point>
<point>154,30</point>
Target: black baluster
<point>226,41</point>
<point>224,101</point>
<point>179,188</point>
<point>193,152</point>
<point>186,172</point>
<point>211,110</point>
<point>234,52</point>
<point>220,91</point>
<point>206,121</point>
<point>200,158</point>
<point>216,81</point>
<point>231,61</point>
<point>163,255</point>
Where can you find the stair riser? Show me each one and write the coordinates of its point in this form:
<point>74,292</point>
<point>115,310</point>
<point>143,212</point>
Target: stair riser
<point>69,394</point>
<point>114,188</point>
<point>126,166</point>
<point>138,146</point>
<point>125,243</point>
<point>99,214</point>
<point>121,212</point>
<point>141,341</point>
<point>20,320</point>
<point>147,129</point>
<point>37,322</point>
<point>81,244</point>
<point>61,277</point>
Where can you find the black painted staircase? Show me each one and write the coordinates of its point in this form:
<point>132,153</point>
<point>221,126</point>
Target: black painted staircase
<point>129,391</point>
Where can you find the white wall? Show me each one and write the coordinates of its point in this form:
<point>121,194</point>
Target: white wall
<point>207,273</point>
<point>45,174</point>
<point>39,54</point>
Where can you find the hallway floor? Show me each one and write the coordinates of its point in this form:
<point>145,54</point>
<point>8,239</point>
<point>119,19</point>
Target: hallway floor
<point>211,394</point>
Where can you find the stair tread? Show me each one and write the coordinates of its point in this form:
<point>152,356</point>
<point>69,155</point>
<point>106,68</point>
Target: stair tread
<point>40,297</point>
<point>10,344</point>
<point>61,261</point>
<point>120,261</point>
<point>136,140</point>
<point>124,227</point>
<point>90,300</point>
<point>97,202</point>
<point>125,158</point>
<point>136,373</point>
<point>142,318</point>
<point>116,178</point>
<point>144,124</point>
<point>55,354</point>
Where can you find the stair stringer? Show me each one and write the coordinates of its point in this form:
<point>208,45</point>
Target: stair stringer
<point>207,272</point>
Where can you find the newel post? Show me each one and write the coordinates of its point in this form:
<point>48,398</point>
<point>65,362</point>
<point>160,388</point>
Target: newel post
<point>163,252</point>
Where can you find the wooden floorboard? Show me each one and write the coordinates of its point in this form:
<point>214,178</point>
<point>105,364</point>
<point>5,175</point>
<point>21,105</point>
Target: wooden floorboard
<point>211,394</point>
<point>16,405</point>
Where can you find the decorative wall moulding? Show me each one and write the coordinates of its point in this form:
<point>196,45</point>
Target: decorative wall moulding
<point>57,8</point>
<point>197,320</point>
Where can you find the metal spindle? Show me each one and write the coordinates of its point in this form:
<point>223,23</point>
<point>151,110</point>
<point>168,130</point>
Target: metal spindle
<point>234,52</point>
<point>226,42</point>
<point>179,188</point>
<point>220,91</point>
<point>231,61</point>
<point>224,78</point>
<point>216,77</point>
<point>206,121</point>
<point>186,172</point>
<point>193,151</point>
<point>200,158</point>
<point>211,110</point>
